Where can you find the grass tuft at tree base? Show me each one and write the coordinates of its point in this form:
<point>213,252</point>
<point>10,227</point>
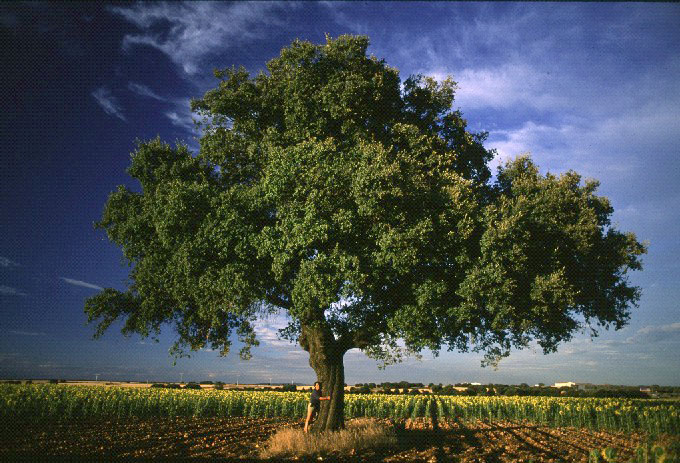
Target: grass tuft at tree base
<point>359,435</point>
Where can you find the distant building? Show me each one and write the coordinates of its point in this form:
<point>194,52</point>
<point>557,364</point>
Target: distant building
<point>579,386</point>
<point>567,384</point>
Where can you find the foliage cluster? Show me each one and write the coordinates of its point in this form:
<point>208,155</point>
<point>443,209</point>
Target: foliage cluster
<point>365,209</point>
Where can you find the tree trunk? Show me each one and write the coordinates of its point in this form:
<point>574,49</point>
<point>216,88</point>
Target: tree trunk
<point>331,374</point>
<point>326,358</point>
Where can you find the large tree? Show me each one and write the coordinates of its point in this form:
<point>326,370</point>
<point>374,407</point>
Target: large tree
<point>365,210</point>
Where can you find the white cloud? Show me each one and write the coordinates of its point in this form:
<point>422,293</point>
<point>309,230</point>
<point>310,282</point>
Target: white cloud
<point>586,359</point>
<point>5,262</point>
<point>49,365</point>
<point>297,352</point>
<point>7,291</point>
<point>632,154</point>
<point>570,106</point>
<point>268,335</point>
<point>586,346</point>
<point>656,333</point>
<point>611,150</point>
<point>560,114</point>
<point>507,86</point>
<point>539,139</point>
<point>143,90</point>
<point>181,119</point>
<point>353,24</point>
<point>180,115</point>
<point>81,283</point>
<point>108,102</point>
<point>198,29</point>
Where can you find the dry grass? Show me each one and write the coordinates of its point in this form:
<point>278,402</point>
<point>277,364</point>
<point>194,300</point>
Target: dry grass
<point>359,434</point>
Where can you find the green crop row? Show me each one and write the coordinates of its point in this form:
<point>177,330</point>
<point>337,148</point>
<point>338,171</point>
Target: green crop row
<point>67,402</point>
<point>653,417</point>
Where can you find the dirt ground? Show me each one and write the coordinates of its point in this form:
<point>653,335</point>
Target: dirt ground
<point>241,439</point>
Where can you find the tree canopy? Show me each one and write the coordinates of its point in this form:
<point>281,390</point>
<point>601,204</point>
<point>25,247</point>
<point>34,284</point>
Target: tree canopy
<point>365,209</point>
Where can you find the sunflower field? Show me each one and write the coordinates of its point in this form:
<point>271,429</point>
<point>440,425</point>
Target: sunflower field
<point>65,402</point>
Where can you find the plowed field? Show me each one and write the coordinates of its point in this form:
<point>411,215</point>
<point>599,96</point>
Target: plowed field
<point>241,439</point>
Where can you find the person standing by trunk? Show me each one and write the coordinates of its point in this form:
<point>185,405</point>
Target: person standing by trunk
<point>314,404</point>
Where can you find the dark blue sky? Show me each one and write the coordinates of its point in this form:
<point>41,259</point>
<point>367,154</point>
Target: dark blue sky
<point>589,87</point>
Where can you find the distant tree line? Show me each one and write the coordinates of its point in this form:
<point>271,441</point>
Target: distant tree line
<point>612,391</point>
<point>220,385</point>
<point>406,387</point>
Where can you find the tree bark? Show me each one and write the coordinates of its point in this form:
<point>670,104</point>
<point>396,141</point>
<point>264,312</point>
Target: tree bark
<point>326,358</point>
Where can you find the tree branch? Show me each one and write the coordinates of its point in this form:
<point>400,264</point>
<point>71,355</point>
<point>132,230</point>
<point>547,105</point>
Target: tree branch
<point>278,301</point>
<point>359,338</point>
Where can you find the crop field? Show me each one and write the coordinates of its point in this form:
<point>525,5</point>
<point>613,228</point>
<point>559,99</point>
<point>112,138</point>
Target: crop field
<point>90,422</point>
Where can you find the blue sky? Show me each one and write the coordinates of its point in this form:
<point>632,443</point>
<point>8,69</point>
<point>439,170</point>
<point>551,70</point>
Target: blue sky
<point>589,87</point>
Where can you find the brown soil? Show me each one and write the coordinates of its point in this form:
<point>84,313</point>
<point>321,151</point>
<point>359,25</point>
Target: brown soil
<point>241,439</point>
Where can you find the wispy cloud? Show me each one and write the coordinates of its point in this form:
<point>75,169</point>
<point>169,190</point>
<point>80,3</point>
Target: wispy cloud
<point>9,356</point>
<point>27,333</point>
<point>181,119</point>
<point>559,98</point>
<point>108,102</point>
<point>354,24</point>
<point>83,284</point>
<point>180,115</point>
<point>590,346</point>
<point>5,262</point>
<point>49,365</point>
<point>147,343</point>
<point>268,335</point>
<point>506,86</point>
<point>196,30</point>
<point>543,140</point>
<point>613,150</point>
<point>266,331</point>
<point>297,353</point>
<point>7,291</point>
<point>656,333</point>
<point>143,90</point>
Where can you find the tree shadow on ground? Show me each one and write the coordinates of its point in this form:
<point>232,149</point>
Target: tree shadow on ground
<point>430,444</point>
